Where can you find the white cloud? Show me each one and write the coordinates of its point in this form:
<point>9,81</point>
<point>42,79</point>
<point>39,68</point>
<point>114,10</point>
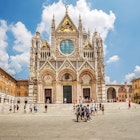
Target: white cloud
<point>137,71</point>
<point>22,46</point>
<point>113,59</point>
<point>3,36</point>
<point>114,82</point>
<point>91,19</point>
<point>22,37</point>
<point>3,45</point>
<point>19,61</point>
<point>14,63</point>
<point>108,81</point>
<point>130,76</point>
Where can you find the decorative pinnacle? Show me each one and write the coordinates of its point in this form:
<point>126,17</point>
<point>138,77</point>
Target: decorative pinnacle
<point>66,6</point>
<point>79,17</point>
<point>53,16</point>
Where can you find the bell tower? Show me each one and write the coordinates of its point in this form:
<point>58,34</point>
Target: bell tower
<point>34,66</point>
<point>99,65</point>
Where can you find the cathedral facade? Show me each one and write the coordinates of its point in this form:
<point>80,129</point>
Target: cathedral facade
<point>70,67</point>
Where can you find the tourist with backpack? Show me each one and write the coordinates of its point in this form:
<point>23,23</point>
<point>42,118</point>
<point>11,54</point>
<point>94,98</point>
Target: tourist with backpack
<point>88,113</point>
<point>77,113</point>
<point>82,113</point>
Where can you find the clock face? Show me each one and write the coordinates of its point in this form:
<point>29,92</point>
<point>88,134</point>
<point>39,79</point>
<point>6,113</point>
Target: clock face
<point>66,47</point>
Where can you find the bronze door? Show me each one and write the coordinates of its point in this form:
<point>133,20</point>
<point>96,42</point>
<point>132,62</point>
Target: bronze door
<point>48,95</point>
<point>86,93</point>
<point>67,94</point>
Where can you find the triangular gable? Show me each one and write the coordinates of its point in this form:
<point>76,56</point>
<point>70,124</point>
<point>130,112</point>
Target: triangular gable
<point>86,64</point>
<point>48,65</point>
<point>66,25</point>
<point>67,64</point>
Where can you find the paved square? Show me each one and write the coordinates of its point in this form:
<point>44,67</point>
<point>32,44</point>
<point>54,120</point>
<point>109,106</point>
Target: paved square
<point>118,123</point>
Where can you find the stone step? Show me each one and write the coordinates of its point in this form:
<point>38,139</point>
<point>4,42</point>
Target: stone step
<point>67,109</point>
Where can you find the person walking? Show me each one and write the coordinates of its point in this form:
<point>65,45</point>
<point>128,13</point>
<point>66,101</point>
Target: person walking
<point>77,113</point>
<point>129,105</point>
<point>10,108</point>
<point>82,112</point>
<point>48,101</point>
<point>35,107</point>
<point>65,100</point>
<point>17,107</point>
<point>25,108</point>
<point>102,108</point>
<point>95,109</point>
<point>30,108</point>
<point>92,109</point>
<point>14,108</point>
<point>88,113</point>
<point>46,107</point>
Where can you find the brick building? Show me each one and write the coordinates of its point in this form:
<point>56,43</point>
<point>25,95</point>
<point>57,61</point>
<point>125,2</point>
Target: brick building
<point>11,89</point>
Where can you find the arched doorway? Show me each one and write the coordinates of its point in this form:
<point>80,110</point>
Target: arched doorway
<point>111,95</point>
<point>88,82</point>
<point>47,87</point>
<point>67,76</point>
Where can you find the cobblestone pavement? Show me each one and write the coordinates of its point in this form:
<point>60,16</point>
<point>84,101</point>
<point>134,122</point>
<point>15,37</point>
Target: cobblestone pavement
<point>118,123</point>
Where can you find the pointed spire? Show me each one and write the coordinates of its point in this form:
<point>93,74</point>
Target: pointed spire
<point>53,16</point>
<point>100,36</point>
<point>80,23</point>
<point>66,6</point>
<point>53,22</point>
<point>95,33</point>
<point>88,34</point>
<point>79,17</point>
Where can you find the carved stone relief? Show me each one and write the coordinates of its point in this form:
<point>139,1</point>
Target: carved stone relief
<point>48,79</point>
<point>86,79</point>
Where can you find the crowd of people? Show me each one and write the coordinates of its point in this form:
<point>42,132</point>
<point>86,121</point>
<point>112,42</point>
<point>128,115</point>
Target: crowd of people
<point>84,112</point>
<point>15,108</point>
<point>26,108</point>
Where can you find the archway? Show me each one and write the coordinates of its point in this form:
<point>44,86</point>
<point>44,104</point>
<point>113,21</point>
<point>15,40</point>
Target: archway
<point>46,86</point>
<point>88,85</point>
<point>111,95</point>
<point>66,78</point>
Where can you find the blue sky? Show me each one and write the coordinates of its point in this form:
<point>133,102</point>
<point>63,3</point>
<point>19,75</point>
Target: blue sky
<point>116,20</point>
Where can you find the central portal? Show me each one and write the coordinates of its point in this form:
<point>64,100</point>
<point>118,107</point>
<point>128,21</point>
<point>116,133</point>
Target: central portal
<point>67,94</point>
